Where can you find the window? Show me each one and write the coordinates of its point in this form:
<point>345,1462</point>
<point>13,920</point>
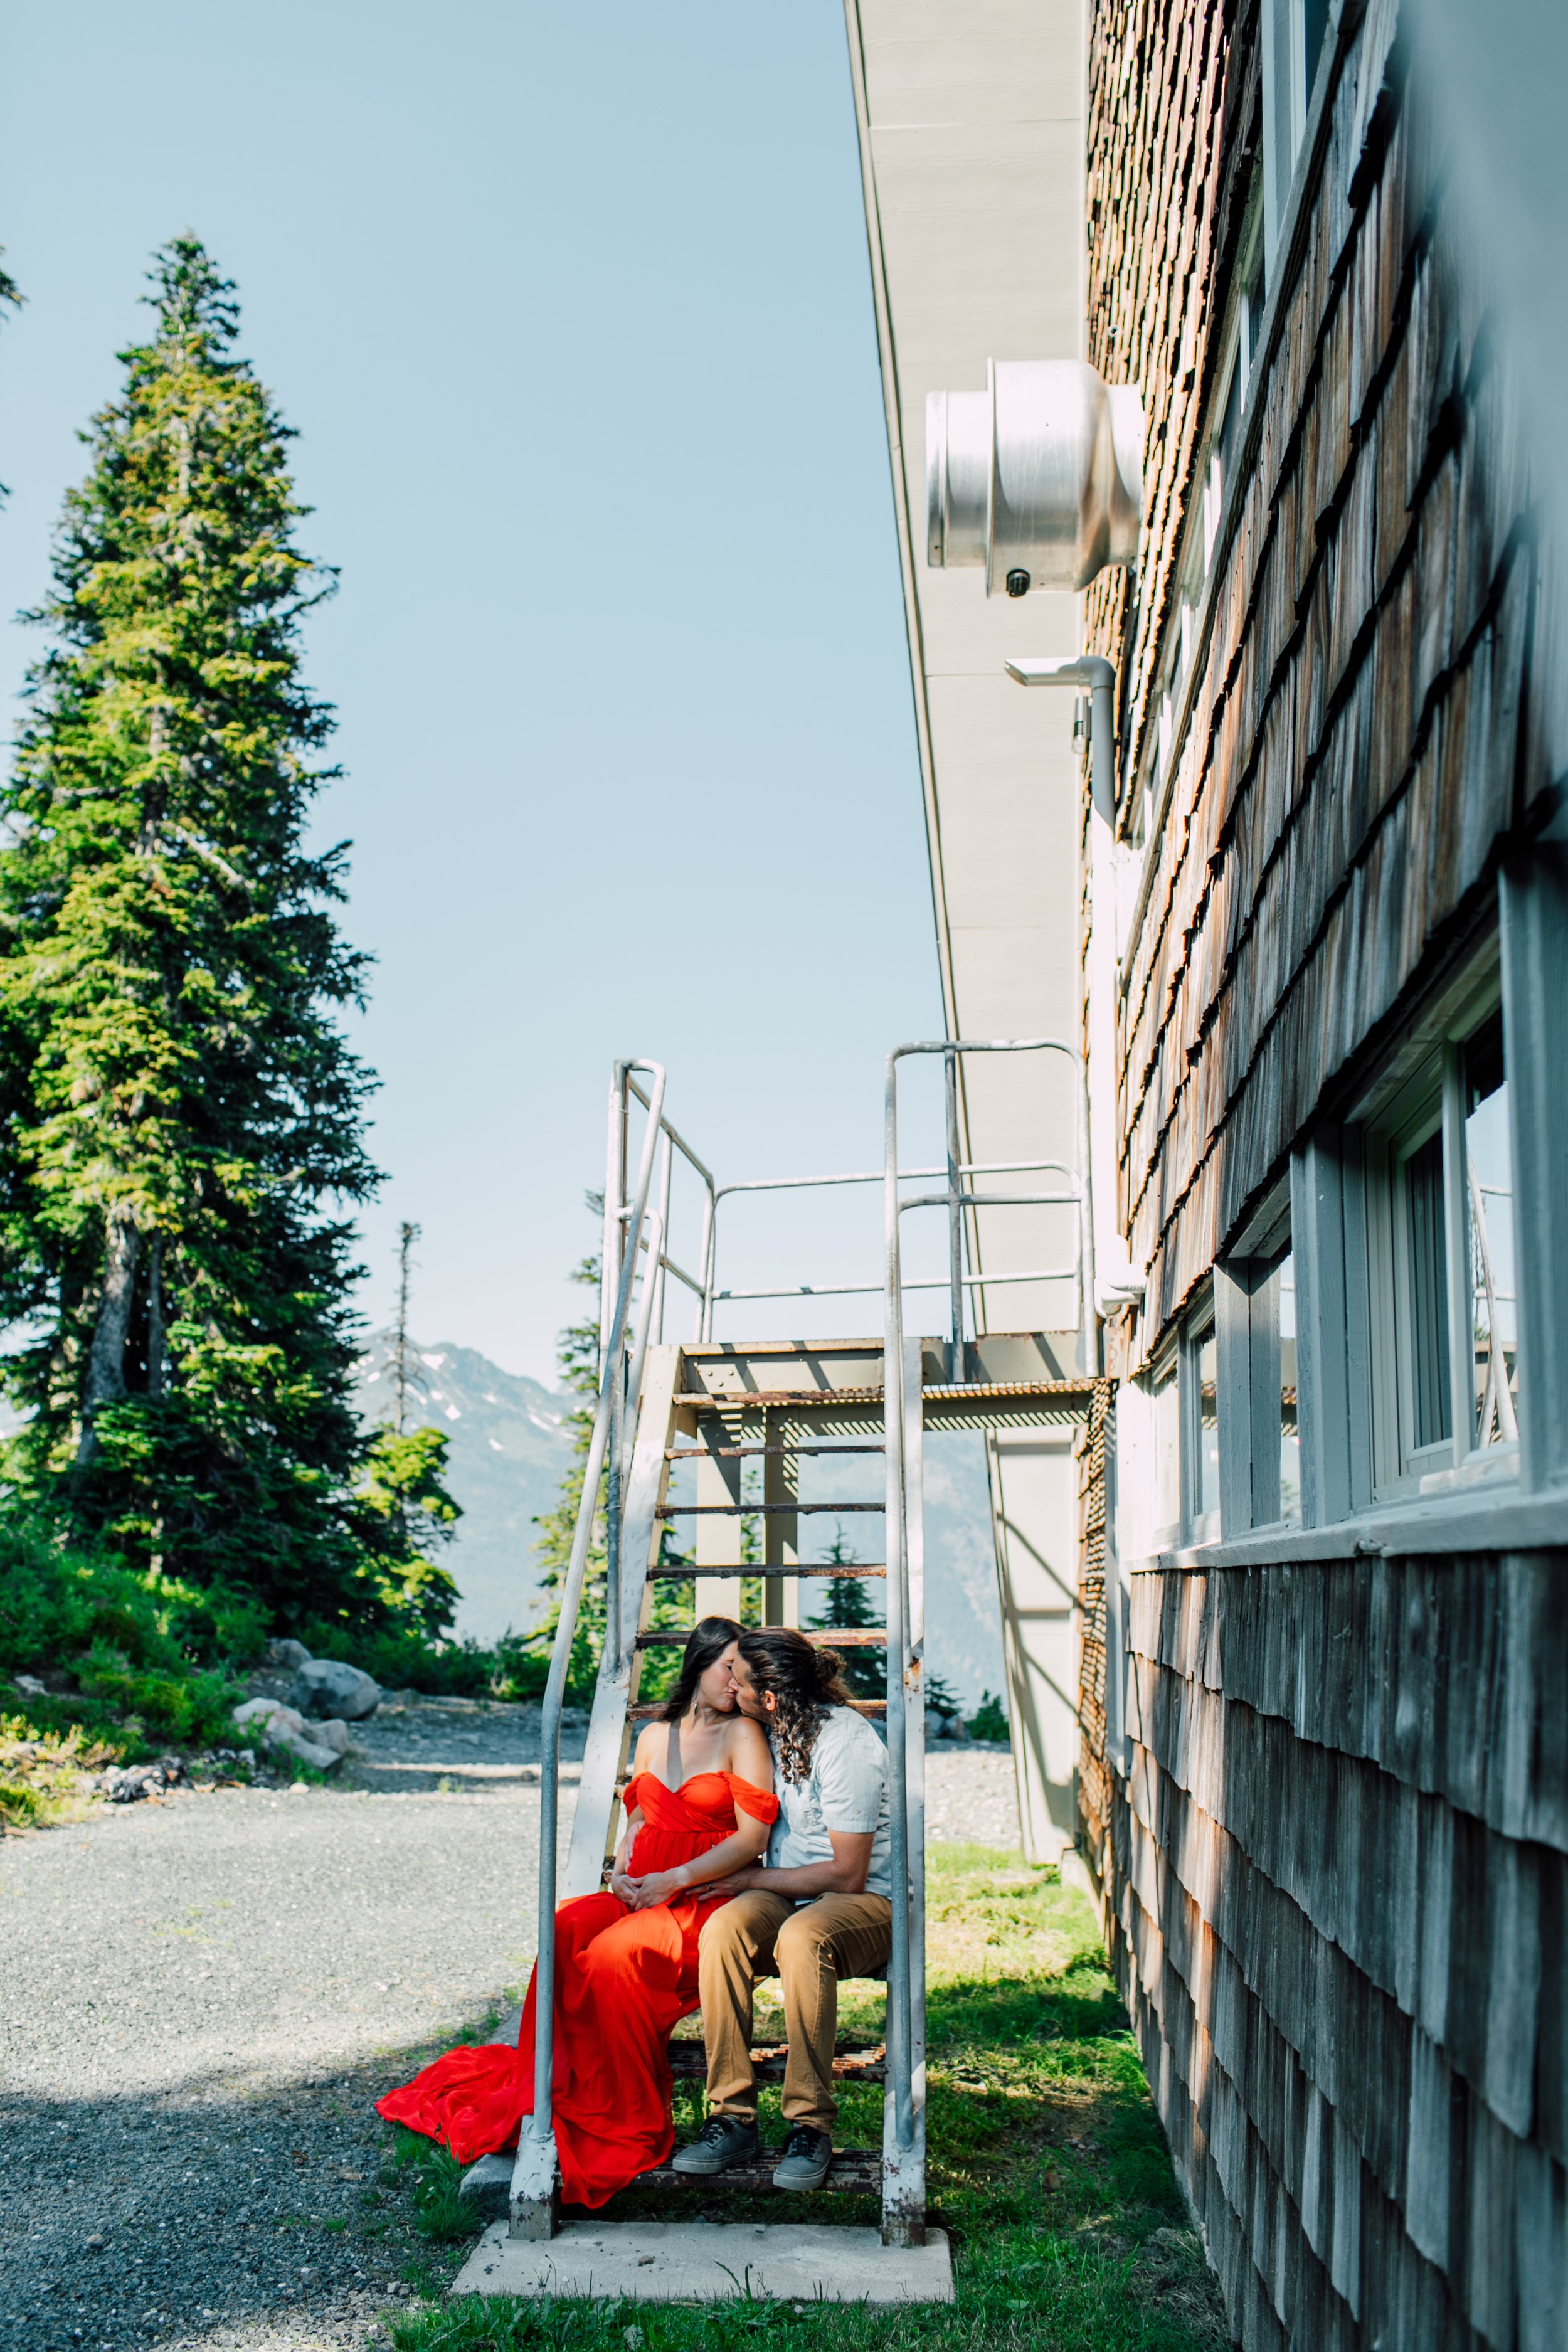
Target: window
<point>1289,1429</point>
<point>1201,1434</point>
<point>1165,1399</point>
<point>1255,1383</point>
<point>1293,34</point>
<point>1443,1293</point>
<point>1489,1174</point>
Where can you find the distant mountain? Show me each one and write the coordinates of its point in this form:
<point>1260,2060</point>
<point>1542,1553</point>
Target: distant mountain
<point>508,1446</point>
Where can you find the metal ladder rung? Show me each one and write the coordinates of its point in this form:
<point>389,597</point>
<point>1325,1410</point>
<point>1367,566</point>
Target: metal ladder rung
<point>833,1638</point>
<point>689,2058</point>
<point>759,1510</point>
<point>779,1400</point>
<point>664,1574</point>
<point>652,1712</point>
<point>735,1453</point>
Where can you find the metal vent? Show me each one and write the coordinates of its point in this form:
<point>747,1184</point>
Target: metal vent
<point>1039,477</point>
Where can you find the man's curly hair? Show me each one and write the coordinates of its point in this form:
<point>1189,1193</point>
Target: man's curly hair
<point>806,1684</point>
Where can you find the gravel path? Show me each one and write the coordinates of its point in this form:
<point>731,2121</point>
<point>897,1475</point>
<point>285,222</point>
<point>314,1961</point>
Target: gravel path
<point>972,1797</point>
<point>203,1998</point>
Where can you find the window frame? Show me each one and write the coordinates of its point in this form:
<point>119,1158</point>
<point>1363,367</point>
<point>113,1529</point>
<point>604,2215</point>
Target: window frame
<point>1199,1324</point>
<point>1166,1534</point>
<point>1247,1323</point>
<point>1429,1101</point>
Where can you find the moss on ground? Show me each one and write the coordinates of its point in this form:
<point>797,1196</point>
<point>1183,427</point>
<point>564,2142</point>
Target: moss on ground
<point>1047,2165</point>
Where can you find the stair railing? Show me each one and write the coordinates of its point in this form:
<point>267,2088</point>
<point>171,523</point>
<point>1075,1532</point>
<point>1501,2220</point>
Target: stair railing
<point>955,1200</point>
<point>534,2173</point>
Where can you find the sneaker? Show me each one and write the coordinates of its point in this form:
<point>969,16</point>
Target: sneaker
<point>722,2141</point>
<point>806,2159</point>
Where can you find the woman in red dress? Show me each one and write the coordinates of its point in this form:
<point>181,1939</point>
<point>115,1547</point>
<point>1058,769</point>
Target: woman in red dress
<point>698,1805</point>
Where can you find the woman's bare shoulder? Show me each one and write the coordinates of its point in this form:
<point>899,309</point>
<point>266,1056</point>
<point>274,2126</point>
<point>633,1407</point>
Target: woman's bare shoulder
<point>644,1752</point>
<point>748,1753</point>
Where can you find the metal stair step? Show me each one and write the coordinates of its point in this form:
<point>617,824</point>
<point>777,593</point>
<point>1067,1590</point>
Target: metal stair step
<point>671,1637</point>
<point>855,2172</point>
<point>778,1400</point>
<point>733,1453</point>
<point>759,1510</point>
<point>653,1710</point>
<point>666,1575</point>
<point>688,2060</point>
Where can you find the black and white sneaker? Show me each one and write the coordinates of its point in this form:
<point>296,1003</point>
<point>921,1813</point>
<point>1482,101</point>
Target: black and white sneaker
<point>722,2141</point>
<point>806,2159</point>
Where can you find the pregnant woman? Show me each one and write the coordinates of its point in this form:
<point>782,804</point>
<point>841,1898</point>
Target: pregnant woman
<point>698,1805</point>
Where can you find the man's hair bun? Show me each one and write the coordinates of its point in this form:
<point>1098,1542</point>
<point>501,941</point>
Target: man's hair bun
<point>829,1667</point>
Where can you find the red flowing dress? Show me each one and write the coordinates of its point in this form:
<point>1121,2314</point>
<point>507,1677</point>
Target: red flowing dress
<point>623,1979</point>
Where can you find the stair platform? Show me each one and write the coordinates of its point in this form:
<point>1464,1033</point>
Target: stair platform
<point>709,2261</point>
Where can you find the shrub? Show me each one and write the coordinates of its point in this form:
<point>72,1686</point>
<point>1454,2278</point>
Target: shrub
<point>989,1720</point>
<point>145,1653</point>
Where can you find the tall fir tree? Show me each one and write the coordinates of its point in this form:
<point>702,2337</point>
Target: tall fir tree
<point>182,1121</point>
<point>847,1609</point>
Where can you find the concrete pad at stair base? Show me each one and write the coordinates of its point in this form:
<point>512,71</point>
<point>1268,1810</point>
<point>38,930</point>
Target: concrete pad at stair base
<point>709,2261</point>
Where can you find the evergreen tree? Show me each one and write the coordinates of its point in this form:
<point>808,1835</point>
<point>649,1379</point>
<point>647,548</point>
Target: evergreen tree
<point>847,1609</point>
<point>183,1119</point>
<point>406,1515</point>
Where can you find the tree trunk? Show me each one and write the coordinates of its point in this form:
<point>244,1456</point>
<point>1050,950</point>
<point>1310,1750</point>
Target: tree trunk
<point>106,1359</point>
<point>155,1341</point>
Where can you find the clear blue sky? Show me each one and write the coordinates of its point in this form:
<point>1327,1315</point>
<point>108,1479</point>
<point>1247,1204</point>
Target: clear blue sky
<point>570,307</point>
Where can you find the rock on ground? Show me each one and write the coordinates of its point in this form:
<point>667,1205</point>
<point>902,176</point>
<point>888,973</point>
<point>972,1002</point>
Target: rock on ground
<point>328,1686</point>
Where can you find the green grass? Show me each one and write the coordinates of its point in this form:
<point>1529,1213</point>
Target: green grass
<point>1048,2167</point>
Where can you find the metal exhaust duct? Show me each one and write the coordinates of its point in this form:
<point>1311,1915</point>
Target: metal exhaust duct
<point>1039,477</point>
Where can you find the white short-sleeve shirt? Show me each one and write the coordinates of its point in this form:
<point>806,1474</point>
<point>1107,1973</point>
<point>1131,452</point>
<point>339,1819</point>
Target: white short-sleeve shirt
<point>846,1789</point>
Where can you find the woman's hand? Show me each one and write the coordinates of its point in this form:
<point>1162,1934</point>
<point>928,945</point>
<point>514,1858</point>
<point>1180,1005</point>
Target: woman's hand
<point>624,1889</point>
<point>659,1886</point>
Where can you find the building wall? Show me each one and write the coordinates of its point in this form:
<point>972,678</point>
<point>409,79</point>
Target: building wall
<point>1355,752</point>
<point>1334,1803</point>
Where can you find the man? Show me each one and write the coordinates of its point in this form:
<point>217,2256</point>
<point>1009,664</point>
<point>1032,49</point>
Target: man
<point>817,1908</point>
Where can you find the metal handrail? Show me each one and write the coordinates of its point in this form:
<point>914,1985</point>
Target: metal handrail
<point>635,1229</point>
<point>613,1394</point>
<point>900,2026</point>
<point>956,1200</point>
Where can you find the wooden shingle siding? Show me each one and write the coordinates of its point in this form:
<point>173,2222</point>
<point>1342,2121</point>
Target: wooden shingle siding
<point>1335,1865</point>
<point>1338,1889</point>
<point>1351,761</point>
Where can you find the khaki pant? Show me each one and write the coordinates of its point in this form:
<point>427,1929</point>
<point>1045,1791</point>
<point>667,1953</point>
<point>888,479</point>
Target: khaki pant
<point>754,1934</point>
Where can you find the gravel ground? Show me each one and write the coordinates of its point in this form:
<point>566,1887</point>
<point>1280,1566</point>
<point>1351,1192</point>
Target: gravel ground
<point>205,1995</point>
<point>203,1999</point>
<point>971,1795</point>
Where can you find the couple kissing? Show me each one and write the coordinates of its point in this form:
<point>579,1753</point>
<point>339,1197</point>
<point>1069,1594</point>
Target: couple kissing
<point>757,1843</point>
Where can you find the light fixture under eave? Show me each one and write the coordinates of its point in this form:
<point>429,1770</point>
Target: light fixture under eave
<point>1039,477</point>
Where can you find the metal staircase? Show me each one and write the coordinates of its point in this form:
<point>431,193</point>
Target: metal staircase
<point>715,1407</point>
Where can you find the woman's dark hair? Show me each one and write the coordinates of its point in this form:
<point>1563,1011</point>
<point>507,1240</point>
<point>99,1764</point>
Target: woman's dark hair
<point>708,1640</point>
<point>805,1682</point>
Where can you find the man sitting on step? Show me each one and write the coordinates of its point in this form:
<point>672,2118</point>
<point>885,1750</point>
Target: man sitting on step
<point>817,1908</point>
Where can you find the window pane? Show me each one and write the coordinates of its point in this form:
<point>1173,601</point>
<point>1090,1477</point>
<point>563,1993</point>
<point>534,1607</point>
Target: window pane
<point>1167,1451</point>
<point>1488,1176</point>
<point>1290,1437</point>
<point>1315,16</point>
<point>1429,1302</point>
<point>1205,1479</point>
